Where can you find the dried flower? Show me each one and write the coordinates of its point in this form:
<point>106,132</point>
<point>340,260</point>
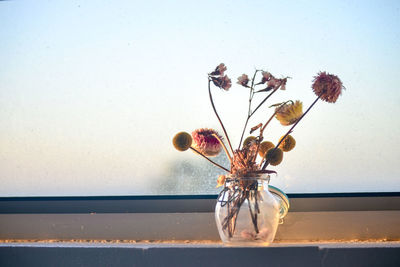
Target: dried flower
<point>283,84</point>
<point>274,156</point>
<point>266,76</point>
<point>273,83</point>
<point>248,140</point>
<point>226,83</point>
<point>222,82</point>
<point>219,70</point>
<point>264,147</point>
<point>221,180</point>
<point>288,144</point>
<point>243,80</point>
<point>327,86</point>
<point>205,142</point>
<point>289,113</point>
<point>182,141</point>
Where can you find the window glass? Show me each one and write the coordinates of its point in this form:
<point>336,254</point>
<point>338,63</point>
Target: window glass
<point>92,92</point>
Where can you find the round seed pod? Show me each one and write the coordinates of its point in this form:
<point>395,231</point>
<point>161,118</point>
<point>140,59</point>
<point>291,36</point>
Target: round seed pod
<point>182,141</point>
<point>288,144</point>
<point>274,156</point>
<point>264,147</point>
<point>248,140</point>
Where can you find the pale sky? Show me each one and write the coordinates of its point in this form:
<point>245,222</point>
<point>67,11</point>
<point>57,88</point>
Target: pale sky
<point>92,92</point>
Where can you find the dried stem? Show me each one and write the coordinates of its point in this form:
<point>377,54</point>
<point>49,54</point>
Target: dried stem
<point>249,111</point>
<point>265,99</point>
<point>216,113</point>
<point>229,219</point>
<point>233,212</point>
<point>244,129</point>
<point>234,202</point>
<point>224,147</point>
<point>252,113</point>
<point>253,216</point>
<point>216,164</point>
<point>291,129</point>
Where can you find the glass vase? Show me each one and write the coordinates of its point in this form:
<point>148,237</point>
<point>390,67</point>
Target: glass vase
<point>246,212</point>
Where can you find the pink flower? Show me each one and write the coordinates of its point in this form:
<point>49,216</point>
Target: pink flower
<point>273,83</point>
<point>219,70</point>
<point>327,86</point>
<point>243,80</point>
<point>226,83</point>
<point>283,84</point>
<point>204,141</point>
<point>266,76</point>
<point>222,82</point>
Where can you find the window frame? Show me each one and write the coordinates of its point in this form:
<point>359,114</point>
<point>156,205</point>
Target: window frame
<point>299,202</point>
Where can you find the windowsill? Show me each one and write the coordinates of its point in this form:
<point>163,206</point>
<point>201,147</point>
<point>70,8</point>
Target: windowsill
<point>341,230</point>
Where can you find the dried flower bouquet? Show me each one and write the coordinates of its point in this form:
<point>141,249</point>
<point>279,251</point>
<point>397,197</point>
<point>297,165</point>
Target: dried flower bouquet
<point>253,155</point>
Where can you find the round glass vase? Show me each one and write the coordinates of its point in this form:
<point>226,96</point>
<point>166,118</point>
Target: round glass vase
<point>246,213</point>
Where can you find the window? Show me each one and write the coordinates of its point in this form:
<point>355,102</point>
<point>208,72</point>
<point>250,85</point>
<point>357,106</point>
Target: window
<point>92,93</point>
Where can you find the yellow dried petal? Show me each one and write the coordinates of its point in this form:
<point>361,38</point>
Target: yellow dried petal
<point>289,113</point>
<point>221,180</point>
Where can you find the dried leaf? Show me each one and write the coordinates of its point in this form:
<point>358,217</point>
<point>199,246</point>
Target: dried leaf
<point>265,90</point>
<point>276,105</point>
<point>255,128</point>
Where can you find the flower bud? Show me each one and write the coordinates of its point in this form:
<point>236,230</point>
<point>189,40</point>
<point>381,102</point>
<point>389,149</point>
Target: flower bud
<point>248,140</point>
<point>264,147</point>
<point>274,156</point>
<point>288,144</point>
<point>182,141</point>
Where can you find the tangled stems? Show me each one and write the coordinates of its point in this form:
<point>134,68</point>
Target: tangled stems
<point>251,113</point>
<point>237,195</point>
<point>219,119</point>
<point>291,129</point>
